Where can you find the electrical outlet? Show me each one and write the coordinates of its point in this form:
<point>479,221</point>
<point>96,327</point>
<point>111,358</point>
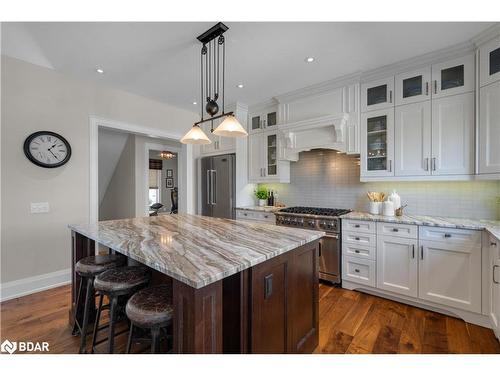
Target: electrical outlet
<point>40,207</point>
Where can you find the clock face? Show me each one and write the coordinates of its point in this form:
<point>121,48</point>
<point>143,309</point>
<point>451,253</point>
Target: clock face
<point>47,149</point>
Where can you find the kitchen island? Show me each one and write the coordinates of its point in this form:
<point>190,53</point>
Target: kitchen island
<point>238,287</point>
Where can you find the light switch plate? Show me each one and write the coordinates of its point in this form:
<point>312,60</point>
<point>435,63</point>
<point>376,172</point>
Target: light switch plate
<point>40,207</point>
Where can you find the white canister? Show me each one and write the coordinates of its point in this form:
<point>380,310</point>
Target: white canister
<point>375,208</point>
<point>395,199</point>
<point>388,208</point>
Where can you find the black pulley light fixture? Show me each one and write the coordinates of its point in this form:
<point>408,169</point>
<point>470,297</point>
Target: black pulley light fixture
<point>213,67</point>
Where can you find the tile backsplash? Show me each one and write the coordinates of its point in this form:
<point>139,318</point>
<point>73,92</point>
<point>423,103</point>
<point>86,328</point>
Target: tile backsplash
<point>324,178</point>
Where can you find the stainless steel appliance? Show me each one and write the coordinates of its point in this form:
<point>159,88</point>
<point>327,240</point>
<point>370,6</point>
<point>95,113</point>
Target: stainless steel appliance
<point>324,219</point>
<point>218,191</point>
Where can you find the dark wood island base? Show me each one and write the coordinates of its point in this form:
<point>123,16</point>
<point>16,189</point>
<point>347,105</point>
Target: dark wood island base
<point>271,307</point>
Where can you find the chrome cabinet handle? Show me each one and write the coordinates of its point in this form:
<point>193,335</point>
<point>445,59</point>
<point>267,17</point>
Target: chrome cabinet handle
<point>390,96</point>
<point>495,266</point>
<point>208,186</point>
<point>334,236</point>
<point>390,165</point>
<point>435,86</point>
<point>413,251</point>
<point>426,88</point>
<point>433,164</point>
<point>422,252</point>
<point>426,164</point>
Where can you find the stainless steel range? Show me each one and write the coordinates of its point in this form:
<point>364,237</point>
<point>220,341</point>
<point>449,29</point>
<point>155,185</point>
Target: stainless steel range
<point>324,219</point>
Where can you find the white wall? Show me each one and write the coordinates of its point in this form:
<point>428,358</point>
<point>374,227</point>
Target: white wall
<point>35,98</point>
<point>119,199</point>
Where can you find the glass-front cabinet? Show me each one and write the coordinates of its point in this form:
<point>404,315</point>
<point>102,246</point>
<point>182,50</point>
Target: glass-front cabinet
<point>489,62</point>
<point>377,143</point>
<point>271,154</point>
<point>265,158</point>
<point>377,94</point>
<point>263,120</point>
<point>413,87</point>
<point>453,77</point>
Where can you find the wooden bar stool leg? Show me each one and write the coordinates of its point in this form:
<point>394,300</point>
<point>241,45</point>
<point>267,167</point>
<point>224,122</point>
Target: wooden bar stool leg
<point>155,337</point>
<point>112,320</point>
<point>96,324</point>
<point>129,342</point>
<point>88,300</point>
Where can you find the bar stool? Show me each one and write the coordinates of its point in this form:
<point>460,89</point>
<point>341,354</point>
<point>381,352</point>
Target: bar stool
<point>88,268</point>
<point>116,283</point>
<point>152,309</point>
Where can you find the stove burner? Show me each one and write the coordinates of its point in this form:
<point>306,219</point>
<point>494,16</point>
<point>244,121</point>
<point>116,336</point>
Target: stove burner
<point>315,211</point>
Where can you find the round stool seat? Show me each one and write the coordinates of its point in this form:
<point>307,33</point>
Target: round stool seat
<point>151,306</point>
<point>121,279</point>
<point>94,265</point>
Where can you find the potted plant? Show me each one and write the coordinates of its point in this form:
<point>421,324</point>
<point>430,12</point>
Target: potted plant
<point>262,196</point>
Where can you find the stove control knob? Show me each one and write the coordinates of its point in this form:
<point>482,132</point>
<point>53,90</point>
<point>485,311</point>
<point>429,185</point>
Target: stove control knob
<point>311,223</point>
<point>330,226</point>
<point>322,224</point>
<point>300,222</point>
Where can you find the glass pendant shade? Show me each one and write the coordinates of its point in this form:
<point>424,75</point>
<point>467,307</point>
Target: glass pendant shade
<point>196,136</point>
<point>230,127</point>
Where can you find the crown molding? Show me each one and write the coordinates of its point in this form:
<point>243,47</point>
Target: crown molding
<point>262,105</point>
<point>487,35</point>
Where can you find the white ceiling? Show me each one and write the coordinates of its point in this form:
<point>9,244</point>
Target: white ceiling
<point>161,60</point>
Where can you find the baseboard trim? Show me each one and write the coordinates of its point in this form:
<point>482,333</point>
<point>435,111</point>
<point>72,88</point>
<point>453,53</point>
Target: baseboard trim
<point>34,284</point>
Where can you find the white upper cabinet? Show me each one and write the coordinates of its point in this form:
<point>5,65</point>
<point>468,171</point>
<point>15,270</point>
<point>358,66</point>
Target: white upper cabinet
<point>377,143</point>
<point>263,120</point>
<point>265,159</point>
<point>414,86</point>
<point>413,139</point>
<point>377,95</point>
<point>219,145</point>
<point>397,265</point>
<point>453,77</point>
<point>489,129</point>
<point>489,62</point>
<point>255,157</point>
<point>453,135</point>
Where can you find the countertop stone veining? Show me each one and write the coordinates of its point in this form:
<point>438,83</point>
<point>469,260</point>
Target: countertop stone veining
<point>260,208</point>
<point>492,226</point>
<point>196,250</point>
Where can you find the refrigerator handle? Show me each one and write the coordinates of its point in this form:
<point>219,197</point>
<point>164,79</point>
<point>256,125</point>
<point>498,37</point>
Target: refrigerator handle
<point>209,185</point>
<point>214,186</point>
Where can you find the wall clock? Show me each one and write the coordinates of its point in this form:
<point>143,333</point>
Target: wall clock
<point>47,149</point>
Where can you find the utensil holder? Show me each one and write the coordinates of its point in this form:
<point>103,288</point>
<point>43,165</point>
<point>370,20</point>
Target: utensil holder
<point>375,208</point>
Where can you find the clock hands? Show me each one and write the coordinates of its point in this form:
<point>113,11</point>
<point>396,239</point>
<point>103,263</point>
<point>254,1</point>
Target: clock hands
<point>53,153</point>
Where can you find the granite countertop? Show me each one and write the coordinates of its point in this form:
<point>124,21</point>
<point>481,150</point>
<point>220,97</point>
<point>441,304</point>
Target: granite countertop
<point>196,250</point>
<point>492,226</point>
<point>260,208</point>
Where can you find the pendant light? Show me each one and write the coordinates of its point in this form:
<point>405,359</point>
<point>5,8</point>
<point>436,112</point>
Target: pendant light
<point>213,63</point>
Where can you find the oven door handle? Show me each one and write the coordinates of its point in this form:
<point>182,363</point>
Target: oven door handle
<point>334,236</point>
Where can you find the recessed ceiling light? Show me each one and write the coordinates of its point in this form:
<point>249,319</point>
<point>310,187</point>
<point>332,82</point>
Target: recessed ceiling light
<point>99,70</point>
<point>240,86</point>
<point>194,103</point>
<point>309,59</point>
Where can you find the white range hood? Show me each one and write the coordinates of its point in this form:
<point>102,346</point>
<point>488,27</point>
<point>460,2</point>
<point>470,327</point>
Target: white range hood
<point>327,132</point>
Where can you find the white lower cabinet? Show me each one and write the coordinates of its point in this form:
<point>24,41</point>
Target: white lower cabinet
<point>397,265</point>
<point>450,275</point>
<point>494,290</point>
<point>361,271</point>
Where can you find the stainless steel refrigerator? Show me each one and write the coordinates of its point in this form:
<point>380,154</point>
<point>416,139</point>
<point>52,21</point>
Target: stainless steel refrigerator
<point>218,190</point>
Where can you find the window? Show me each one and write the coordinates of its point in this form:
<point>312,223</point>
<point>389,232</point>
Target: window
<point>154,186</point>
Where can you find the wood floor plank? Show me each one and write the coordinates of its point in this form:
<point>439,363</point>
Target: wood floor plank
<point>435,338</point>
<point>350,322</point>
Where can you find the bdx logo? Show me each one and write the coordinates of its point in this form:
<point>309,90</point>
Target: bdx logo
<point>23,346</point>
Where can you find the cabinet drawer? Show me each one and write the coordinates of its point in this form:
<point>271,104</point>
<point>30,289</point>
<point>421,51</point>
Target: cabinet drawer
<point>356,238</point>
<point>359,251</point>
<point>397,230</point>
<point>361,271</point>
<point>359,226</point>
<point>459,237</point>
<point>255,216</point>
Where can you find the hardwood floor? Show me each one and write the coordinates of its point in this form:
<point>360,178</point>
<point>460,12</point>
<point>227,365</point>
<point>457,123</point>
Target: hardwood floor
<point>350,322</point>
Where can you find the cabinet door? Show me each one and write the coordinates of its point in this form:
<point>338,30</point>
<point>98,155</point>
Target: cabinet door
<point>489,62</point>
<point>397,265</point>
<point>412,141</point>
<point>453,77</point>
<point>450,275</point>
<point>377,94</point>
<point>377,143</point>
<point>413,86</point>
<point>271,154</point>
<point>494,277</point>
<point>271,119</point>
<point>255,158</point>
<point>256,123</point>
<point>489,128</point>
<point>453,135</point>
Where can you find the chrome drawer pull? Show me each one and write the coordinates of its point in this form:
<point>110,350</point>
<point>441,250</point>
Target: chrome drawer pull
<point>395,229</point>
<point>356,238</point>
<point>356,270</point>
<point>356,225</point>
<point>447,235</point>
<point>356,251</point>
